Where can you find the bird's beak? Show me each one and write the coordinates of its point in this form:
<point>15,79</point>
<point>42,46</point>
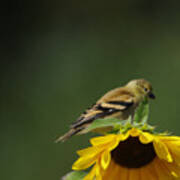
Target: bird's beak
<point>151,95</point>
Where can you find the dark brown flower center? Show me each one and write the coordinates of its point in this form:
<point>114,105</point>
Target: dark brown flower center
<point>131,153</point>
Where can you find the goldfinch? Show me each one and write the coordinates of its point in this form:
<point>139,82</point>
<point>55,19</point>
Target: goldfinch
<point>119,103</point>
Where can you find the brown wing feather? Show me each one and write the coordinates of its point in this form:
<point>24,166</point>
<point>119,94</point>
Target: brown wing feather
<point>104,109</point>
<point>107,105</point>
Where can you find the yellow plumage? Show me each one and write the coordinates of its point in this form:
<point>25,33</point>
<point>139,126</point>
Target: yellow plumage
<point>120,103</point>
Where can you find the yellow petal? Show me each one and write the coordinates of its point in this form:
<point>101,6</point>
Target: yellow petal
<point>109,171</point>
<point>170,138</point>
<point>149,171</point>
<point>98,173</point>
<point>172,141</point>
<point>173,168</point>
<point>134,174</point>
<point>113,144</point>
<point>90,151</point>
<point>162,150</point>
<point>91,174</point>
<point>123,137</point>
<point>162,172</point>
<point>143,173</point>
<point>105,159</point>
<point>115,173</point>
<point>112,172</point>
<point>123,173</point>
<point>102,139</point>
<point>174,150</point>
<point>134,132</point>
<point>83,163</point>
<point>146,138</point>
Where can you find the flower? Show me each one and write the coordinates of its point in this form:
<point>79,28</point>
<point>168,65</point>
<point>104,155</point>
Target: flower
<point>134,155</point>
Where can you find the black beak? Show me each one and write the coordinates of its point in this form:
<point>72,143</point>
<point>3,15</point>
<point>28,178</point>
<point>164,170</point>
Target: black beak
<point>151,95</point>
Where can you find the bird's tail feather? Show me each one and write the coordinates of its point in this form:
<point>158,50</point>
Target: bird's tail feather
<point>66,136</point>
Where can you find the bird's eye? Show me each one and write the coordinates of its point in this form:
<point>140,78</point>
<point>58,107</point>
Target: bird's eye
<point>145,89</point>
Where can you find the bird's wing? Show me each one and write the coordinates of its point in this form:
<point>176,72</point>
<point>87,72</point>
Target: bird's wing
<point>103,109</point>
<point>120,104</point>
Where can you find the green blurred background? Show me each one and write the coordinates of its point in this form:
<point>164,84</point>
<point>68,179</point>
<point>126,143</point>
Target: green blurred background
<point>59,57</point>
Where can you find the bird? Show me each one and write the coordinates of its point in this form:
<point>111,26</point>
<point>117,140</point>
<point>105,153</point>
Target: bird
<point>119,103</point>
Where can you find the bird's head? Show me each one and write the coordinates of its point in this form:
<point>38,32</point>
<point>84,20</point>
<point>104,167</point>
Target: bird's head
<point>141,88</point>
